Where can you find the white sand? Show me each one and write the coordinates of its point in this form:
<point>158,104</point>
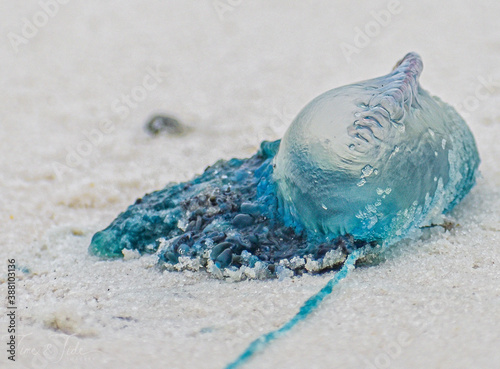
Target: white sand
<point>434,303</point>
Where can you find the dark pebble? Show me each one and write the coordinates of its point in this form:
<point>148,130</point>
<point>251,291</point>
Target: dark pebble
<point>224,259</point>
<point>242,220</point>
<point>164,124</point>
<point>218,249</point>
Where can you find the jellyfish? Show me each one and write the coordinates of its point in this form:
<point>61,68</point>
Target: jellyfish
<point>360,168</point>
<point>363,164</point>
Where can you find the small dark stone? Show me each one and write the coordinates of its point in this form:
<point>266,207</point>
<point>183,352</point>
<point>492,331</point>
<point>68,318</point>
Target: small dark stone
<point>164,124</point>
<point>218,249</point>
<point>242,220</point>
<point>224,259</point>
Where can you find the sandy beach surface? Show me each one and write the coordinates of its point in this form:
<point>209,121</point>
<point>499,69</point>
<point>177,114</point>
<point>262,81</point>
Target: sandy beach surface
<point>79,79</point>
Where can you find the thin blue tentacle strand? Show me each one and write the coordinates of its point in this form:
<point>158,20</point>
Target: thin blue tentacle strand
<point>309,306</point>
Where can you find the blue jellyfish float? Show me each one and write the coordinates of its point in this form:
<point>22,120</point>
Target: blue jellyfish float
<point>361,167</point>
